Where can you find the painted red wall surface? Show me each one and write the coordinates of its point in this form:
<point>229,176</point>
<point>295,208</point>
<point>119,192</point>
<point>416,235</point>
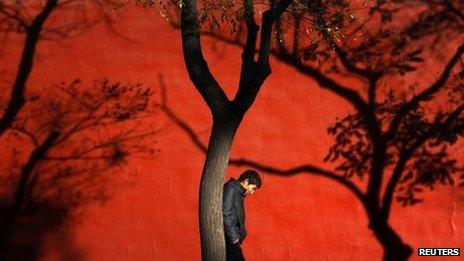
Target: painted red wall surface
<point>154,217</point>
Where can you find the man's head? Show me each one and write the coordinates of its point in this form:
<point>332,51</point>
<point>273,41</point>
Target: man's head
<point>250,181</point>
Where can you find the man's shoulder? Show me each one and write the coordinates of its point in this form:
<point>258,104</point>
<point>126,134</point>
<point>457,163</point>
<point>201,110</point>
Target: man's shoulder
<point>231,184</point>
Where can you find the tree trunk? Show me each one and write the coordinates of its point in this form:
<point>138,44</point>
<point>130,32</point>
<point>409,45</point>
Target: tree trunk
<point>12,212</point>
<point>212,180</point>
<point>394,248</point>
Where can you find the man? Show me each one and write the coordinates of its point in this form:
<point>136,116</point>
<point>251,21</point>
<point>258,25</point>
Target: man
<point>234,213</point>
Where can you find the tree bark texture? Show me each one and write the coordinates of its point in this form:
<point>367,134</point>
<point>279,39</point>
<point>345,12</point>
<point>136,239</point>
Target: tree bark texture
<point>211,221</point>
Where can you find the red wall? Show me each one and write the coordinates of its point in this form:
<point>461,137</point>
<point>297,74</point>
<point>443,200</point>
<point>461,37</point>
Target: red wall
<point>155,217</point>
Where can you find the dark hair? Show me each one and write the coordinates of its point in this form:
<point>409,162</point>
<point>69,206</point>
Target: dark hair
<point>252,176</point>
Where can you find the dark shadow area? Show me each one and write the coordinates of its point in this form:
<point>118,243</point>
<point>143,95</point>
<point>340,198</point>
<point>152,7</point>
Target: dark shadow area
<point>30,231</point>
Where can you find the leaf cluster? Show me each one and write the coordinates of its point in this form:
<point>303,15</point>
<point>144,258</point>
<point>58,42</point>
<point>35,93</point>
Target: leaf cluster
<point>421,140</point>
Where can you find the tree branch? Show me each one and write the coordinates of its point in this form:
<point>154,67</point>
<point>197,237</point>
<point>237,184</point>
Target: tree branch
<point>83,154</point>
<point>25,67</point>
<point>247,94</point>
<point>366,73</point>
<point>395,178</point>
<point>426,94</point>
<point>302,169</point>
<point>197,68</point>
<point>269,17</point>
<point>179,122</point>
<point>37,155</point>
<point>16,17</point>
<point>406,156</point>
<point>454,115</point>
<point>453,9</point>
<point>29,134</point>
<point>371,75</point>
<point>277,11</point>
<point>248,62</point>
<point>324,82</point>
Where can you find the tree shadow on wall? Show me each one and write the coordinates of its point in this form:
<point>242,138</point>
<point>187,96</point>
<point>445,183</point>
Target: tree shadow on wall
<point>67,149</point>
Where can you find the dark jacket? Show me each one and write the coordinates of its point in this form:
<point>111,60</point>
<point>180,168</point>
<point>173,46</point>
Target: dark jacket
<point>233,211</point>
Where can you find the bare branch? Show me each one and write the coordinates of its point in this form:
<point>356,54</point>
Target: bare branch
<point>16,16</point>
<point>277,11</point>
<point>395,178</point>
<point>453,9</point>
<point>37,155</point>
<point>113,141</point>
<point>248,62</point>
<point>350,66</point>
<point>269,17</point>
<point>247,94</point>
<point>173,117</point>
<point>326,83</point>
<point>197,68</point>
<point>29,134</point>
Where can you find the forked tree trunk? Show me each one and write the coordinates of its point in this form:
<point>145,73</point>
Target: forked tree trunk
<point>227,114</point>
<point>212,179</point>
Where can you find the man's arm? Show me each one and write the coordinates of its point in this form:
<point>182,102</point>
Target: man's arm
<point>230,218</point>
